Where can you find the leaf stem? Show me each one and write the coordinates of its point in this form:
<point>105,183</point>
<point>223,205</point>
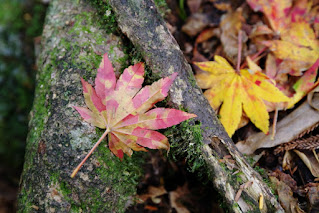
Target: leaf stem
<point>240,46</point>
<point>258,54</point>
<point>75,171</point>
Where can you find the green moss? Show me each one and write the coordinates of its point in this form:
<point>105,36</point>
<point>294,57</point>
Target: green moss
<point>64,187</point>
<point>132,55</point>
<point>162,7</point>
<point>265,178</point>
<point>41,107</point>
<point>106,15</point>
<point>186,142</point>
<point>121,181</point>
<point>192,80</point>
<point>250,160</point>
<point>27,206</point>
<point>235,205</point>
<point>120,176</point>
<point>238,177</point>
<point>252,203</point>
<point>260,170</point>
<point>223,166</point>
<point>151,77</point>
<point>271,185</point>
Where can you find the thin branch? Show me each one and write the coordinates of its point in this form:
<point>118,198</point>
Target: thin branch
<point>274,125</point>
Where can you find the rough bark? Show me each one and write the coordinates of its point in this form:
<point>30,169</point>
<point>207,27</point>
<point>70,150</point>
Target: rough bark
<point>72,42</point>
<point>140,21</point>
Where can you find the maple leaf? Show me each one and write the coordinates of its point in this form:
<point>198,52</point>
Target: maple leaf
<point>281,13</point>
<point>237,92</point>
<point>121,107</point>
<point>275,11</point>
<point>298,47</point>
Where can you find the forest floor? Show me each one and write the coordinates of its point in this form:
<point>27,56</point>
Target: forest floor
<point>168,186</point>
<point>289,165</point>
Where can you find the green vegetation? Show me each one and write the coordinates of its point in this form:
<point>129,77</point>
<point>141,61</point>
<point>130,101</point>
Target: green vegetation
<point>107,16</point>
<point>162,7</point>
<point>19,24</point>
<point>186,141</point>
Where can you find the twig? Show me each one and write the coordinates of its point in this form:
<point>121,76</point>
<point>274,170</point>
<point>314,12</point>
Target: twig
<point>274,124</point>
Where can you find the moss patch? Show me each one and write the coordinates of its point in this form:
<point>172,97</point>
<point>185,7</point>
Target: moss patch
<point>186,141</point>
<point>106,15</point>
<point>39,114</point>
<point>162,7</point>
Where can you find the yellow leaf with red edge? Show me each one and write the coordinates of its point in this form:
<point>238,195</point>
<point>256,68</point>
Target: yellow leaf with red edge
<point>237,92</point>
<point>281,14</point>
<point>298,47</point>
<point>275,11</point>
<point>298,44</point>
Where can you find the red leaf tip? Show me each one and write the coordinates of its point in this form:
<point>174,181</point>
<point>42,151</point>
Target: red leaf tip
<point>83,85</point>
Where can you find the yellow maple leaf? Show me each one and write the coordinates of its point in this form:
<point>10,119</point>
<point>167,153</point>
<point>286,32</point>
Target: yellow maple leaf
<point>298,47</point>
<point>275,11</point>
<point>237,92</point>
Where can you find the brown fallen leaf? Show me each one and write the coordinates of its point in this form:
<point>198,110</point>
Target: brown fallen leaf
<point>286,178</point>
<point>222,5</point>
<point>288,162</point>
<point>152,192</point>
<point>195,24</point>
<point>230,25</point>
<point>175,198</point>
<point>313,196</point>
<point>285,196</point>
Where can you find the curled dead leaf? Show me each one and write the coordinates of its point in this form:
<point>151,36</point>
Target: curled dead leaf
<point>310,159</point>
<point>310,97</point>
